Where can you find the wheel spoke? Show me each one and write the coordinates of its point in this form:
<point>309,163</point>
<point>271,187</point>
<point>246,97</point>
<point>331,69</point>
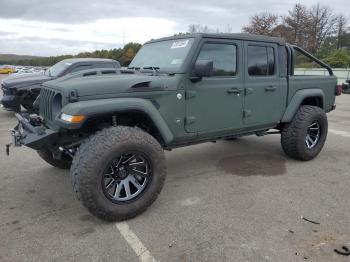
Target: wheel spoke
<point>109,175</point>
<point>136,183</point>
<point>110,183</point>
<point>141,163</point>
<point>310,139</point>
<point>129,159</point>
<point>118,162</point>
<point>313,135</point>
<point>313,124</point>
<point>118,187</point>
<point>307,141</point>
<point>138,172</point>
<point>127,188</point>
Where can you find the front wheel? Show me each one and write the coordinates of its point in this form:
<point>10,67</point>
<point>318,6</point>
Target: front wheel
<point>118,172</point>
<point>304,137</point>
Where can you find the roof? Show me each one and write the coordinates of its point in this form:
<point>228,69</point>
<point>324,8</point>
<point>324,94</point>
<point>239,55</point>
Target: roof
<point>77,60</point>
<point>236,36</point>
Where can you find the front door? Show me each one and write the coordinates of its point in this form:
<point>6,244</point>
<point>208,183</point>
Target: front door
<point>265,92</point>
<point>216,102</point>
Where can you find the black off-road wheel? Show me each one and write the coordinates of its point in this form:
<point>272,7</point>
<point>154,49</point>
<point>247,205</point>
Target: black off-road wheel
<point>118,172</point>
<point>64,163</point>
<point>304,137</point>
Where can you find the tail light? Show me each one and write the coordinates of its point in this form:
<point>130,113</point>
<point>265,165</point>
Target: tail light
<point>338,90</point>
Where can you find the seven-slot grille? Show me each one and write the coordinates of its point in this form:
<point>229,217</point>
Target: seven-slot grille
<point>45,104</point>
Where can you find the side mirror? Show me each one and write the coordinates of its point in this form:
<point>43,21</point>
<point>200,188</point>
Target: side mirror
<point>202,68</point>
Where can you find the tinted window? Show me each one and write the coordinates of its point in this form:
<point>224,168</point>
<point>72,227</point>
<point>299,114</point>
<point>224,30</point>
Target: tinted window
<point>270,60</point>
<point>223,57</point>
<point>80,68</point>
<point>261,61</point>
<point>103,65</point>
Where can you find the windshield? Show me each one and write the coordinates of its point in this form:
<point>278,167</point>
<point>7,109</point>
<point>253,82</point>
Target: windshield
<point>58,68</point>
<point>168,54</point>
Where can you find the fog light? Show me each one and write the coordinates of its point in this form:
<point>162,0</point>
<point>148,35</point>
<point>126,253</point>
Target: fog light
<point>72,119</point>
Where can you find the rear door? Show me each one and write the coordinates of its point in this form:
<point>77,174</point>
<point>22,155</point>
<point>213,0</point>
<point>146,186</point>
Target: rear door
<point>215,102</point>
<point>265,96</point>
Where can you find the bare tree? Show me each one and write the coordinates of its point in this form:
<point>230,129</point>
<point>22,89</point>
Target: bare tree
<point>283,31</point>
<point>228,28</point>
<point>341,29</point>
<point>314,28</point>
<point>261,24</point>
<point>192,28</point>
<point>198,28</point>
<point>297,24</point>
<point>322,25</point>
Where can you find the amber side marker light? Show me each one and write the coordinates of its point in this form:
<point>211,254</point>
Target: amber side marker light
<point>72,119</point>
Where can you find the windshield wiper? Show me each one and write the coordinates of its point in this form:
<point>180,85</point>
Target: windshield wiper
<point>134,67</point>
<point>153,68</point>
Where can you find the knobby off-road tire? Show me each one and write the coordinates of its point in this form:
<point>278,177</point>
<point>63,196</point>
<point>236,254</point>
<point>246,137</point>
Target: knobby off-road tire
<point>64,163</point>
<point>306,121</point>
<point>102,156</point>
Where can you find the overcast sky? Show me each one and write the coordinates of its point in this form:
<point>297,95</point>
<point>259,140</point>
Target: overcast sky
<point>43,27</point>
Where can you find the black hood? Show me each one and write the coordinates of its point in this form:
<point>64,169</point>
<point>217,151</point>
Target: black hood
<point>24,80</point>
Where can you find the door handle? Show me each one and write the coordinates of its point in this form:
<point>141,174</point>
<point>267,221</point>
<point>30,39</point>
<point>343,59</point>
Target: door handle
<point>270,88</point>
<point>234,91</point>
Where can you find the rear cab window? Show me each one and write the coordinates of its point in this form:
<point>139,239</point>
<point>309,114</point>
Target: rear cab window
<point>261,60</point>
<point>104,65</point>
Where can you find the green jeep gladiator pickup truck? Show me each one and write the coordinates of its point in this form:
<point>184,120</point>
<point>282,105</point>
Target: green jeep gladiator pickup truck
<point>111,127</point>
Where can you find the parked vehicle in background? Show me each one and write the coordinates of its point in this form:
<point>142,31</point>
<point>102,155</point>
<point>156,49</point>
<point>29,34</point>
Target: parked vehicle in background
<point>7,69</point>
<point>111,129</point>
<point>22,89</point>
<point>346,87</point>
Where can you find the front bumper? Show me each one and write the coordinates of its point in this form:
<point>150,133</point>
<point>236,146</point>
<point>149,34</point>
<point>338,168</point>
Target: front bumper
<point>11,103</point>
<point>36,137</point>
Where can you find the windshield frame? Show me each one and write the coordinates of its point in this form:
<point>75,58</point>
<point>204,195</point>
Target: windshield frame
<point>187,59</point>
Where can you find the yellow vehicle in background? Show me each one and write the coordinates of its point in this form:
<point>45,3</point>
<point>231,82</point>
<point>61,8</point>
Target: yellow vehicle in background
<point>7,70</point>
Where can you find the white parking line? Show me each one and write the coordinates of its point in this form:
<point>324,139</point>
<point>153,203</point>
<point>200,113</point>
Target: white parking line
<point>338,132</point>
<point>135,243</point>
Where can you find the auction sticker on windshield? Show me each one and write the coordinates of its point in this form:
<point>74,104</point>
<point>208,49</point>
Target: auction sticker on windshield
<point>180,44</point>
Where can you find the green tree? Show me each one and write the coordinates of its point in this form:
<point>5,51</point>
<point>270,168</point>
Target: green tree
<point>338,58</point>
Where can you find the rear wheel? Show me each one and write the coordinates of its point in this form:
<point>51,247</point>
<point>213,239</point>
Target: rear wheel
<point>64,163</point>
<point>304,137</point>
<point>118,172</point>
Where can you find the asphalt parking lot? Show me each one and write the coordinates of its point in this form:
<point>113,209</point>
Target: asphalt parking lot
<point>227,201</point>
